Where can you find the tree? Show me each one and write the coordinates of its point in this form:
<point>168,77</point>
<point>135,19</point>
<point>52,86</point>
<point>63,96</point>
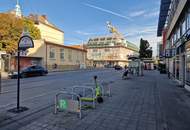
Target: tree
<point>34,31</point>
<point>145,51</point>
<point>11,29</point>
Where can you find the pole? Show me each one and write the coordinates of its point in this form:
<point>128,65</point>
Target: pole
<point>18,80</point>
<point>0,83</point>
<point>168,70</point>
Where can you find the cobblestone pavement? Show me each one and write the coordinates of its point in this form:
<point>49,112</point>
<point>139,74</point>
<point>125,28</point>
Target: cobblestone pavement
<point>152,102</point>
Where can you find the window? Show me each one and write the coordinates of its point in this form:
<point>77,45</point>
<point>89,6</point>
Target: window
<point>109,38</point>
<point>107,49</point>
<point>175,37</point>
<point>95,50</point>
<point>52,53</point>
<point>62,54</point>
<point>178,33</point>
<point>183,28</point>
<point>102,39</point>
<point>188,19</point>
<point>96,39</point>
<point>70,55</point>
<point>172,40</point>
<point>188,65</point>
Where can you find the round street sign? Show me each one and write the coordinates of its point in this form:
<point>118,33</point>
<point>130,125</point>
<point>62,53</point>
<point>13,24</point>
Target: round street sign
<point>25,42</point>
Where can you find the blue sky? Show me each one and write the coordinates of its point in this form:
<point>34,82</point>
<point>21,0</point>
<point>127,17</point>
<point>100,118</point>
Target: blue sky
<point>81,19</point>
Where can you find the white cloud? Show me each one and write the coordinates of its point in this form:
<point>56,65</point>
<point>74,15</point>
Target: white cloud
<point>152,39</point>
<point>137,13</point>
<point>135,33</point>
<point>108,11</point>
<point>71,41</point>
<point>144,13</point>
<point>152,14</point>
<point>83,33</point>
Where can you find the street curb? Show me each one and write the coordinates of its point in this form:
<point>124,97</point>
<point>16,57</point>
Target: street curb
<point>5,76</point>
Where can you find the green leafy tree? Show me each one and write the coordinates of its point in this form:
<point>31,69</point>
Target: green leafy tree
<point>145,51</point>
<point>34,31</point>
<point>11,29</point>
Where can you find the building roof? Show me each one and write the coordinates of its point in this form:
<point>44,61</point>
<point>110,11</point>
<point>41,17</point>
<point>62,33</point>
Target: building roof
<point>44,20</point>
<point>77,46</point>
<point>164,8</point>
<point>111,41</point>
<point>64,46</point>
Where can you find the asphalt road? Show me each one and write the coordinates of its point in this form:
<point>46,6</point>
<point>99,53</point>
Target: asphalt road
<point>39,91</point>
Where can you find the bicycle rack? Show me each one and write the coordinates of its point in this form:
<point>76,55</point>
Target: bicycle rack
<point>86,98</point>
<point>69,105</point>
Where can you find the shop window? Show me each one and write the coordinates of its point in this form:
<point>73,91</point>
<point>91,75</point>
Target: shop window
<point>188,66</point>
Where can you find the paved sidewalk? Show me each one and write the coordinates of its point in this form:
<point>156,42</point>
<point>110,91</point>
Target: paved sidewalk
<point>151,102</point>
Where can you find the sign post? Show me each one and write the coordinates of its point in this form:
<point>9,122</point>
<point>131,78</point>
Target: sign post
<point>24,43</point>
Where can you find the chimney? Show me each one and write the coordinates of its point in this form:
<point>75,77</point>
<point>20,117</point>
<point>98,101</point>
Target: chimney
<point>44,16</point>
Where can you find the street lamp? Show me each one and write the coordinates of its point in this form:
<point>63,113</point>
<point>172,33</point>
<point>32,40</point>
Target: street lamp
<point>24,43</point>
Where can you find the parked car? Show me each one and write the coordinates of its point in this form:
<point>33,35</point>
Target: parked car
<point>29,72</point>
<point>118,67</point>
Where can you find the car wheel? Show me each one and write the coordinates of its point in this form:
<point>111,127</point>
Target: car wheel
<point>42,74</point>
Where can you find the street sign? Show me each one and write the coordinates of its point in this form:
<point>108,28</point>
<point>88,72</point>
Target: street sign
<point>168,53</point>
<point>25,42</point>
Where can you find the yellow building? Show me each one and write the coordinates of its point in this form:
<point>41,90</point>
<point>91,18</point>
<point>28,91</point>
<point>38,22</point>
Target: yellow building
<point>49,32</point>
<point>51,51</point>
<point>110,51</point>
<point>57,56</point>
